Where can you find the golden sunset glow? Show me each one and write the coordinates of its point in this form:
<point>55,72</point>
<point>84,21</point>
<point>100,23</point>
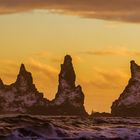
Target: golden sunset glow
<point>101,43</point>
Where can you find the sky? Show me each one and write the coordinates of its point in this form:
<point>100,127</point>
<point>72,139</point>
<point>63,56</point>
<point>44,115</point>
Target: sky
<point>101,36</point>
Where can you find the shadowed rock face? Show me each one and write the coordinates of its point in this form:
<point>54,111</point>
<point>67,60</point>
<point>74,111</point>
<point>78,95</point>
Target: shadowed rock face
<point>23,97</point>
<point>67,75</point>
<point>24,80</point>
<point>69,98</point>
<point>128,103</point>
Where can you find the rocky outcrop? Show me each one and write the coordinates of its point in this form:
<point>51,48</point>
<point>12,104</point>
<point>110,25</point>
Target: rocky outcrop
<point>69,99</point>
<point>128,103</point>
<point>23,97</point>
<point>24,81</point>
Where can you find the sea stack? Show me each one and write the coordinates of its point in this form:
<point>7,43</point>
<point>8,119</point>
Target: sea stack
<point>69,99</point>
<point>21,96</point>
<point>128,104</point>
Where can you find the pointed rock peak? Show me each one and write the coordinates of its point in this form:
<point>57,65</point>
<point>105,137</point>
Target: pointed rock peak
<point>22,68</point>
<point>24,77</point>
<point>67,75</point>
<point>67,59</point>
<point>135,69</point>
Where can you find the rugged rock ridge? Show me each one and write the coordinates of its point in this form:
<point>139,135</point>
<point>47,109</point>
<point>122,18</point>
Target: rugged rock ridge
<point>128,104</point>
<point>23,97</point>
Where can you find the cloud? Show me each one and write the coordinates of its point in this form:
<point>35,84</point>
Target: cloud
<point>101,84</point>
<point>117,10</point>
<point>9,70</point>
<point>42,54</point>
<point>104,84</point>
<point>42,73</point>
<point>112,52</point>
<point>55,58</point>
<point>108,79</point>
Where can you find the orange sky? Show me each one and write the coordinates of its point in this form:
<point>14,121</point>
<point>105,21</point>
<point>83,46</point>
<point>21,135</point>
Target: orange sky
<point>101,42</point>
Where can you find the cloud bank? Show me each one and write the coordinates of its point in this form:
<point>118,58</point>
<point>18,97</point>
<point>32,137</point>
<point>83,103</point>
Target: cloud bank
<point>116,10</point>
<point>112,52</point>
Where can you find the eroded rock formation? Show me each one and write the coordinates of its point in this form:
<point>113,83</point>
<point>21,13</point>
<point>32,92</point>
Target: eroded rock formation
<point>69,98</point>
<point>23,97</point>
<point>128,104</point>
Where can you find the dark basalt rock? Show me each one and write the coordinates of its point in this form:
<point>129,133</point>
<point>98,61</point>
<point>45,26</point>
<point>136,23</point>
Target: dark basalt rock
<point>67,73</point>
<point>128,104</point>
<point>69,99</point>
<point>24,80</point>
<point>23,97</point>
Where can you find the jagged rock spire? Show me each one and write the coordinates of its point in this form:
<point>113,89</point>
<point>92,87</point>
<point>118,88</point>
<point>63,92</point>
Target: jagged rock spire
<point>24,79</point>
<point>67,75</point>
<point>22,68</point>
<point>24,97</point>
<point>128,104</point>
<point>69,99</point>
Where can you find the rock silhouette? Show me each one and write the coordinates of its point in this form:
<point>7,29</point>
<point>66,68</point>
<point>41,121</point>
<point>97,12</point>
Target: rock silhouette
<point>128,103</point>
<point>20,96</point>
<point>69,98</point>
<point>23,97</point>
